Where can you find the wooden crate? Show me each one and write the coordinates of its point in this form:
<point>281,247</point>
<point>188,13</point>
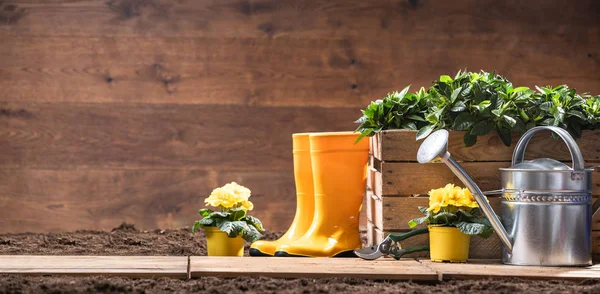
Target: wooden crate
<point>397,184</point>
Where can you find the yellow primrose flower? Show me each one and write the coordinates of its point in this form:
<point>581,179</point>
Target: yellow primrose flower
<point>221,197</point>
<point>248,205</point>
<point>453,194</point>
<point>467,199</point>
<point>241,193</point>
<point>436,200</point>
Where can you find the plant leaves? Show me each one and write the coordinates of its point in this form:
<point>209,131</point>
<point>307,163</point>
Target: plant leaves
<point>463,121</point>
<point>520,89</point>
<point>444,218</point>
<point>424,132</point>
<point>196,226</point>
<point>250,233</point>
<point>415,117</point>
<point>458,107</point>
<point>417,221</point>
<point>455,94</point>
<point>255,222</point>
<point>469,139</point>
<point>204,212</point>
<point>238,213</point>
<point>445,79</point>
<point>470,228</point>
<point>505,135</point>
<point>482,128</point>
<point>509,120</point>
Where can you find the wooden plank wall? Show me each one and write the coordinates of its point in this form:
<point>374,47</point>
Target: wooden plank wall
<point>133,110</point>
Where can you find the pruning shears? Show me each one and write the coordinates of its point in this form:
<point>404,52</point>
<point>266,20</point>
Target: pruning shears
<point>391,246</point>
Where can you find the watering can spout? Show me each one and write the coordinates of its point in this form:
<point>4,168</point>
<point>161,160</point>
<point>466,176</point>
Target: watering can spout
<point>435,147</point>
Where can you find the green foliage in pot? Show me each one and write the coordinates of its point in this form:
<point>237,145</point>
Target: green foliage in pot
<point>480,103</point>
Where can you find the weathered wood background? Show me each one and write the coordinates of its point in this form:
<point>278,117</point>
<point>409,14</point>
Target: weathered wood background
<point>132,110</point>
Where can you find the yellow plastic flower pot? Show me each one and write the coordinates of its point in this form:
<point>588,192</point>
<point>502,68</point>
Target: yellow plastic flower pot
<point>448,244</point>
<point>218,244</point>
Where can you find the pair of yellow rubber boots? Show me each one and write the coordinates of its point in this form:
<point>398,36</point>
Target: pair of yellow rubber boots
<point>330,174</point>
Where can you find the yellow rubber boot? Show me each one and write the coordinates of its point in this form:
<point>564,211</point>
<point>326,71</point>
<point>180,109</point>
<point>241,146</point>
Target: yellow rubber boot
<point>339,174</point>
<point>305,201</point>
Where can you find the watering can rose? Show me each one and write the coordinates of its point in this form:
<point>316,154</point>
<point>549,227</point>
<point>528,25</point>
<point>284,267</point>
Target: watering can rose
<point>232,203</point>
<point>453,206</point>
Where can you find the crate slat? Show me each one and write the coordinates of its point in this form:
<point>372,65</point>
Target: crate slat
<point>408,178</point>
<point>400,145</point>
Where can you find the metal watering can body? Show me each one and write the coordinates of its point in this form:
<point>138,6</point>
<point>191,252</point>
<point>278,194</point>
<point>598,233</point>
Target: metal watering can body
<point>546,206</point>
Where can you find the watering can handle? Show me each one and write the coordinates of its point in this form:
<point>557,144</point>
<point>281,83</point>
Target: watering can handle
<point>576,157</point>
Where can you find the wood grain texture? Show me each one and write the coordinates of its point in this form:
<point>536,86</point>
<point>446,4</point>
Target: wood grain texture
<point>393,213</point>
<point>320,72</point>
<point>33,200</point>
<point>408,178</point>
<point>126,266</point>
<point>346,51</point>
<point>191,71</point>
<point>94,89</point>
<point>291,267</point>
<point>486,269</point>
<point>54,136</point>
<point>275,19</point>
<point>400,145</point>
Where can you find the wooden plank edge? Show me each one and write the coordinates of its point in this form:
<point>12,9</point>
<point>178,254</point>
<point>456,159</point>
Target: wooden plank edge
<point>135,271</point>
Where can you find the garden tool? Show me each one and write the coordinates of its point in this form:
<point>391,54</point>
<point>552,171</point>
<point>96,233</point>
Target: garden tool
<point>305,202</point>
<point>339,176</point>
<point>391,246</point>
<point>546,206</point>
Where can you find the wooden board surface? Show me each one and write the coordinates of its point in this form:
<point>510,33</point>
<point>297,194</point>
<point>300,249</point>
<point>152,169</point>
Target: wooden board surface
<point>54,136</point>
<point>128,266</point>
<point>484,269</point>
<point>101,199</point>
<point>411,178</point>
<point>331,73</point>
<point>276,19</point>
<point>406,269</point>
<point>201,266</point>
<point>91,88</point>
<point>400,145</point>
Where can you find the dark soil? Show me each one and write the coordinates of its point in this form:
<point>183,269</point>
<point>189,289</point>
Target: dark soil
<point>126,240</point>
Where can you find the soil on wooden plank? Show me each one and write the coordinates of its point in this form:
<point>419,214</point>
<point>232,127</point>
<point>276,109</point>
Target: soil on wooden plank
<point>126,240</point>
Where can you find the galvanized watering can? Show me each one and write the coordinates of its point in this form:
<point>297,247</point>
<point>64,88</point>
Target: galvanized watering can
<point>546,205</point>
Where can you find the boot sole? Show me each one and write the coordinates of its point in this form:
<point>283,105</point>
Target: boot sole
<point>256,252</point>
<point>344,254</point>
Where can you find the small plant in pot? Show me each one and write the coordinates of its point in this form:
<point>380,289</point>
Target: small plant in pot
<point>229,225</point>
<point>453,216</point>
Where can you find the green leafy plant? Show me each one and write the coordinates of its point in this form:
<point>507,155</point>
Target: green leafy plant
<point>397,110</point>
<point>231,217</point>
<point>561,107</point>
<point>591,111</point>
<point>480,103</point>
<point>453,206</point>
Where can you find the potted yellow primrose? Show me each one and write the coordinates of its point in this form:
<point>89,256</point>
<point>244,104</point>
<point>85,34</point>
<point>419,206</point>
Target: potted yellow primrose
<point>229,224</point>
<point>453,216</point>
